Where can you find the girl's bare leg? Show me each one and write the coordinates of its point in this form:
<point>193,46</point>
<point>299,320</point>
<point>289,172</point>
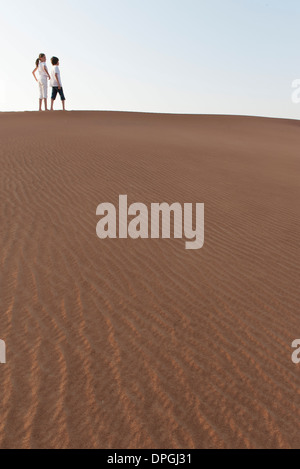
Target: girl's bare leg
<point>45,102</point>
<point>40,104</point>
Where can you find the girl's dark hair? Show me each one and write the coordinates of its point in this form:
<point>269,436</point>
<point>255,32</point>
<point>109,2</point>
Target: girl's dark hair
<point>38,60</point>
<point>54,60</point>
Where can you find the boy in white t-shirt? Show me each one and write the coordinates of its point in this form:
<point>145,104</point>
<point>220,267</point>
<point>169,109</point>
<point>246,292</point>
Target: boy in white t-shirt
<point>55,82</point>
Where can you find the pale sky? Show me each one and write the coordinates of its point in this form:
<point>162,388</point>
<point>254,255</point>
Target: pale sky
<point>173,56</point>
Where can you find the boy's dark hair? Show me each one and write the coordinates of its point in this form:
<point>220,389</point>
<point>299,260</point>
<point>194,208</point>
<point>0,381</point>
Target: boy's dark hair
<point>54,60</point>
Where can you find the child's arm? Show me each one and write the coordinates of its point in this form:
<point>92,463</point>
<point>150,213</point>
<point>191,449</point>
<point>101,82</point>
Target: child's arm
<point>57,79</point>
<point>46,70</point>
<point>33,73</point>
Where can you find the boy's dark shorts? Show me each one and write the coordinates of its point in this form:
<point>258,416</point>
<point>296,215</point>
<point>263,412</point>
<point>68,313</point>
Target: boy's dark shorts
<point>55,90</point>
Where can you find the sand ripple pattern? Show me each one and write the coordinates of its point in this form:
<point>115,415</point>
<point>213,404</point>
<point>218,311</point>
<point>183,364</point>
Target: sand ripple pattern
<point>140,343</point>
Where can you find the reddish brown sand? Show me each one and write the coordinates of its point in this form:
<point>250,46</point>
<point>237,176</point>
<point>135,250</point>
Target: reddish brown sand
<point>141,343</point>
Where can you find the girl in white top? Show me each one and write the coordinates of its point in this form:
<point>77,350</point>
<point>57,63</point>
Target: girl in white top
<point>41,67</point>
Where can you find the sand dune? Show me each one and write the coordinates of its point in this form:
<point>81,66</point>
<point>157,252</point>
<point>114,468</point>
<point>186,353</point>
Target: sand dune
<point>140,343</point>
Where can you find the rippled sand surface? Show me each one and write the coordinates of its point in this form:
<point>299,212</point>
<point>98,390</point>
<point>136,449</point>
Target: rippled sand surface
<point>140,343</point>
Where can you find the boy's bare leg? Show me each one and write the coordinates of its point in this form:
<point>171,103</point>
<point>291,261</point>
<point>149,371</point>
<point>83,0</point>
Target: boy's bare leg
<point>40,107</point>
<point>52,102</point>
<point>63,105</point>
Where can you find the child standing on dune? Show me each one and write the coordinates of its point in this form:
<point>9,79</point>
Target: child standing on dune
<point>41,67</point>
<point>56,84</point>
